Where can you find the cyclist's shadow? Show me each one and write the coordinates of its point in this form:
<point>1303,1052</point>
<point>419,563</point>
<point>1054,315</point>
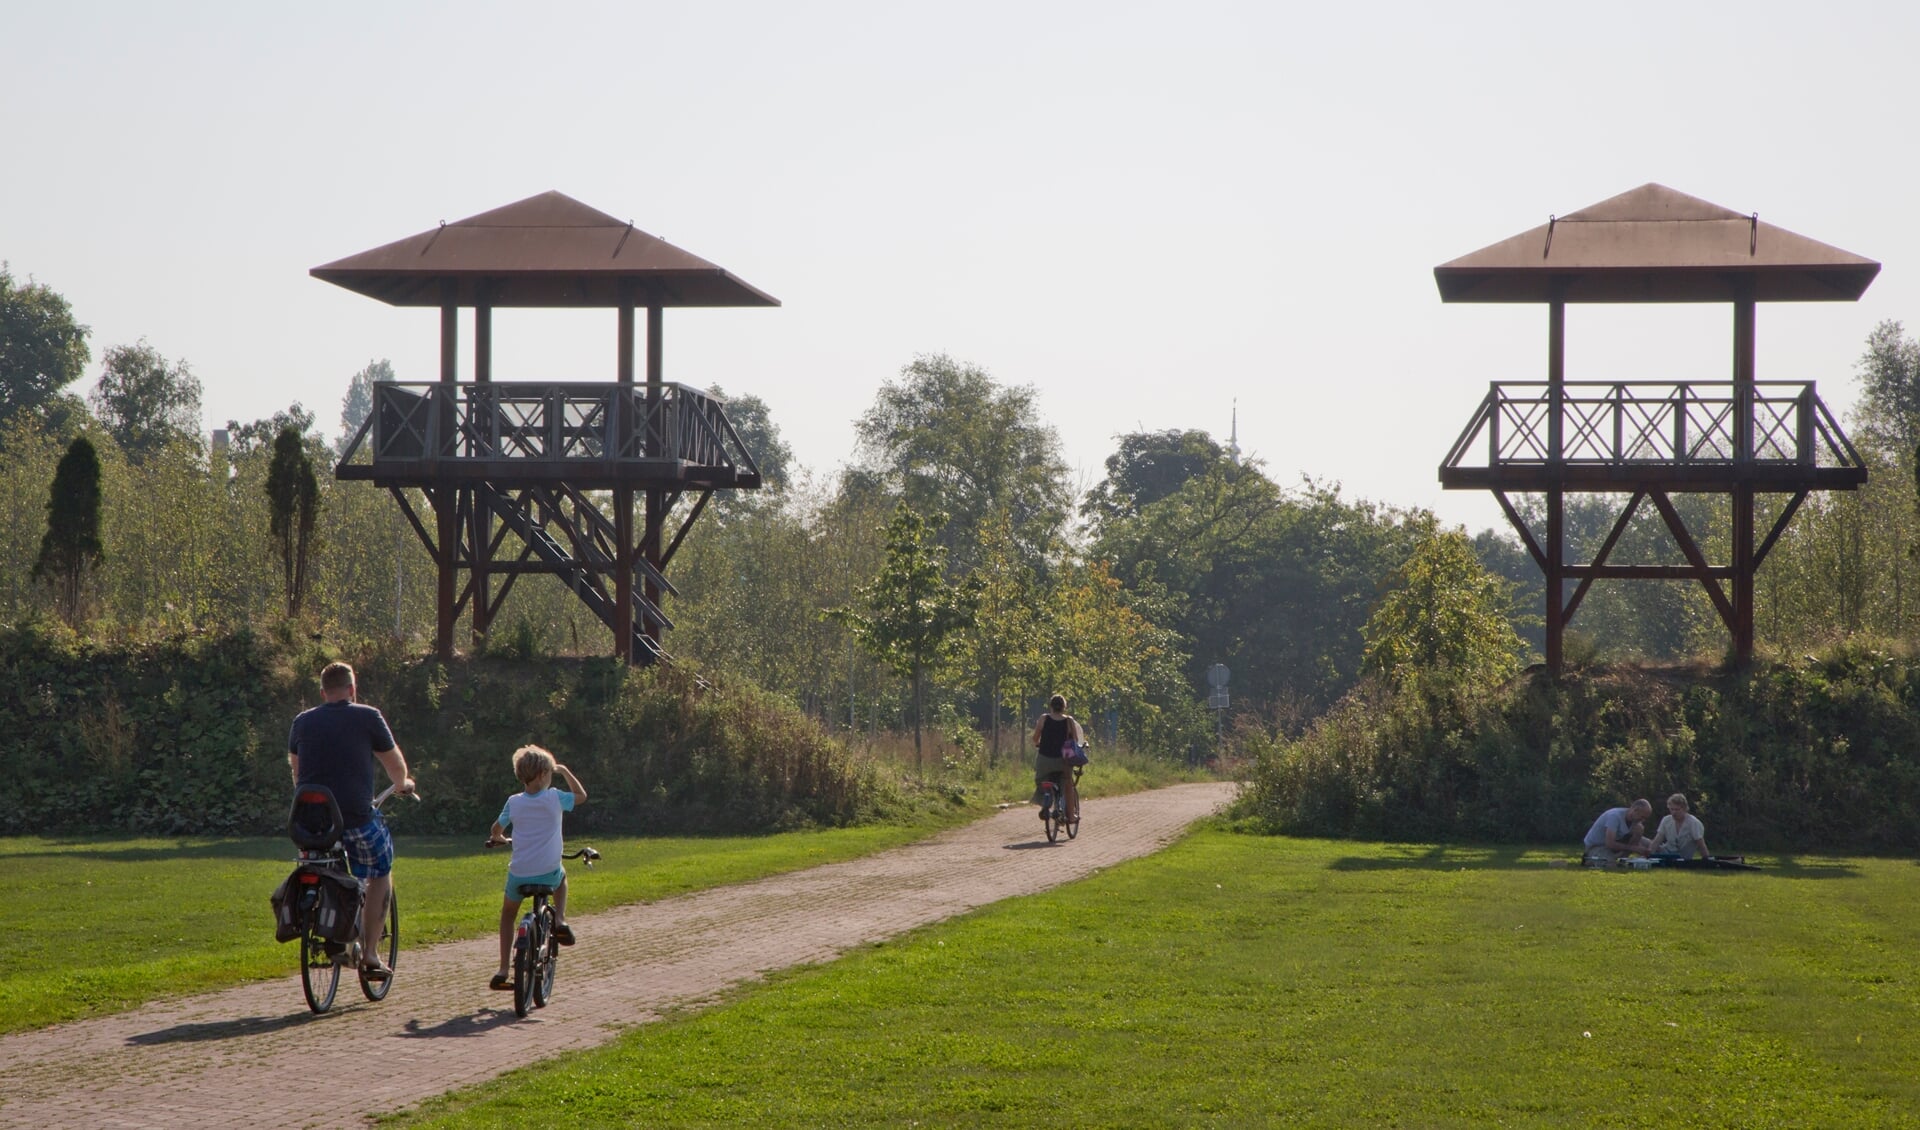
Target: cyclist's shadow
<point>222,1029</point>
<point>473,1024</point>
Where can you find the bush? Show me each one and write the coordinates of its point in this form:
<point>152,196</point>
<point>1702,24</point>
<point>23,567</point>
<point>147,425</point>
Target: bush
<point>1816,755</point>
<point>187,734</point>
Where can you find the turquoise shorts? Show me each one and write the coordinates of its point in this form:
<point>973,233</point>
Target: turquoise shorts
<point>552,879</point>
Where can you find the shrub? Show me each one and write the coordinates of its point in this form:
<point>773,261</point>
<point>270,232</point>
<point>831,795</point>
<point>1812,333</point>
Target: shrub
<point>1819,755</point>
<point>187,734</point>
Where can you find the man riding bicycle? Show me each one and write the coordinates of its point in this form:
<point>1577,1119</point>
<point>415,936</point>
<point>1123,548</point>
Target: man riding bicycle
<point>335,745</point>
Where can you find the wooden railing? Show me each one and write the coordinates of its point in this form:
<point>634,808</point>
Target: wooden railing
<point>1650,423</point>
<point>580,423</point>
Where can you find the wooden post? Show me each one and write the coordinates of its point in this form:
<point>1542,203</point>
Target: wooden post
<point>1743,458</point>
<point>623,495</point>
<point>480,518</point>
<point>657,440</point>
<point>446,503</point>
<point>1556,468</point>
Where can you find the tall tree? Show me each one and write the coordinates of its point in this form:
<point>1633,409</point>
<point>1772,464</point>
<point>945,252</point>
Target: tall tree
<point>70,550</point>
<point>1444,613</point>
<point>42,349</point>
<point>357,405</point>
<point>261,435</point>
<point>294,495</point>
<point>912,613</point>
<point>948,438</point>
<point>146,401</point>
<point>1001,638</point>
<point>753,422</point>
<point>1890,388</point>
<point>1149,466</point>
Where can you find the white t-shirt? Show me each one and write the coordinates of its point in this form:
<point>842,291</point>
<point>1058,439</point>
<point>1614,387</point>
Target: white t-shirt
<point>534,820</point>
<point>1683,837</point>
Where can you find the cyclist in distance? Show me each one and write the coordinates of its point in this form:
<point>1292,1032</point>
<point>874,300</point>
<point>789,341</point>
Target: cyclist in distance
<point>336,745</point>
<point>1052,731</point>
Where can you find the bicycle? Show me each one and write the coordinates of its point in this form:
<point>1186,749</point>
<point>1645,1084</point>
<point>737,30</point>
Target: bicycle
<point>536,952</point>
<point>1053,807</point>
<point>320,868</point>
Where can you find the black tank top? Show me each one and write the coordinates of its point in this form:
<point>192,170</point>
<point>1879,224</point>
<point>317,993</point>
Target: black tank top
<point>1054,733</point>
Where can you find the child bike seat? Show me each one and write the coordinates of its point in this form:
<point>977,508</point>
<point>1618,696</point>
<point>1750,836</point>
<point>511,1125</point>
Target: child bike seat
<point>314,822</point>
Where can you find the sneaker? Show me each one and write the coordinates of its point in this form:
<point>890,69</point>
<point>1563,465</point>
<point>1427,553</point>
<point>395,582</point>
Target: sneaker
<point>563,933</point>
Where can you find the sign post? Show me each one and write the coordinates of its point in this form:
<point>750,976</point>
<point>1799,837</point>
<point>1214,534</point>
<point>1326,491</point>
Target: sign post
<point>1217,676</point>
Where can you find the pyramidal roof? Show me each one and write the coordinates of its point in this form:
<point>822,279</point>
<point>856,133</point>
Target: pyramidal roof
<point>546,250</point>
<point>1653,244</point>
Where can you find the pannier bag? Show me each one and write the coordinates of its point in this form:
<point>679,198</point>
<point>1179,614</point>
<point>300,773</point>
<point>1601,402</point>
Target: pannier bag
<point>333,895</point>
<point>286,909</point>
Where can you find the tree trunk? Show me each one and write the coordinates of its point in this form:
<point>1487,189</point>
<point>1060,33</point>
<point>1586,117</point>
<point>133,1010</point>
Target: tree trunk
<point>919,766</point>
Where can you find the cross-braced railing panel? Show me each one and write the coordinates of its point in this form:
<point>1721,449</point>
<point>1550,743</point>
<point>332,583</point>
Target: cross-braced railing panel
<point>604,426</point>
<point>1645,423</point>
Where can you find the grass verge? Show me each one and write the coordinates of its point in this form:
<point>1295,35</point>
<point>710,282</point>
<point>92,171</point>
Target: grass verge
<point>118,922</point>
<point>1254,981</point>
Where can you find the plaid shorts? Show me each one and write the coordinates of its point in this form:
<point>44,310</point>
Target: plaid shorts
<point>369,849</point>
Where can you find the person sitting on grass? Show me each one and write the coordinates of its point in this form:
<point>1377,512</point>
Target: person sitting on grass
<point>1620,832</point>
<point>1681,832</point>
<point>533,815</point>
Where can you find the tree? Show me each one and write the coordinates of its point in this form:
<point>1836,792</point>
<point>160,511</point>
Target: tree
<point>949,439</point>
<point>1148,467</point>
<point>42,349</point>
<point>357,405</point>
<point>913,613</point>
<point>1444,613</point>
<point>1890,388</point>
<point>1000,640</point>
<point>758,433</point>
<point>145,401</point>
<point>71,548</point>
<point>294,495</point>
<point>261,435</point>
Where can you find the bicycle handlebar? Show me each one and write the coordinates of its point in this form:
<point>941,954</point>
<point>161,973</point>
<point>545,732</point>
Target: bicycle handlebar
<point>415,794</point>
<point>585,855</point>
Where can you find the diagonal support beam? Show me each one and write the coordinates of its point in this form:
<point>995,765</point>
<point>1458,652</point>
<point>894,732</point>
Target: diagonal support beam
<point>1520,527</point>
<point>1619,527</point>
<point>1694,557</point>
<point>1779,527</point>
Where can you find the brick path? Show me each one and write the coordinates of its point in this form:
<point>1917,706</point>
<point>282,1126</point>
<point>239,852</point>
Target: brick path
<point>250,1056</point>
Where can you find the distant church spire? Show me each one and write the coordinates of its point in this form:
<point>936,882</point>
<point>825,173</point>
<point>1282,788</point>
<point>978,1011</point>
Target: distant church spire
<point>1233,437</point>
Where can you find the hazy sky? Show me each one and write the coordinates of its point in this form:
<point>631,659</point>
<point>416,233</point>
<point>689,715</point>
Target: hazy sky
<point>1146,211</point>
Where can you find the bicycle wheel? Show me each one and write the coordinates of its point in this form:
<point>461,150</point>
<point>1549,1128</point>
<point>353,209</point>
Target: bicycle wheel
<point>523,970</point>
<point>387,947</point>
<point>319,973</point>
<point>549,951</point>
<point>1050,819</point>
<point>1073,824</point>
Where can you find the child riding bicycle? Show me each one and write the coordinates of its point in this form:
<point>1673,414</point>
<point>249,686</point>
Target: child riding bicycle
<point>533,815</point>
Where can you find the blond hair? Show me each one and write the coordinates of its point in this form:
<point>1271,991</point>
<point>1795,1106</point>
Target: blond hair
<point>529,761</point>
<point>1677,798</point>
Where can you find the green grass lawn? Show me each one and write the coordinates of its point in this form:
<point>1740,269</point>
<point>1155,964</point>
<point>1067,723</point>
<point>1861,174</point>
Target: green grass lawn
<point>117,922</point>
<point>1247,981</point>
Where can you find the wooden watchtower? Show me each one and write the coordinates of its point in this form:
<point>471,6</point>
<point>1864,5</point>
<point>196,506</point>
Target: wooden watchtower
<point>543,477</point>
<point>1649,439</point>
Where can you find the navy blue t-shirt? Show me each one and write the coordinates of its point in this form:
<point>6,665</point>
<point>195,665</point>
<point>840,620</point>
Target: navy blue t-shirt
<point>336,742</point>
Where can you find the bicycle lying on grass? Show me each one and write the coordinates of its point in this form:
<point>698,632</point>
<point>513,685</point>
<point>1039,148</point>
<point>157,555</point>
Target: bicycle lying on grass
<point>320,902</point>
<point>536,952</point>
